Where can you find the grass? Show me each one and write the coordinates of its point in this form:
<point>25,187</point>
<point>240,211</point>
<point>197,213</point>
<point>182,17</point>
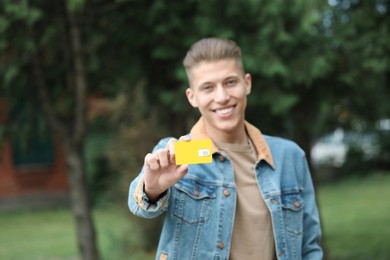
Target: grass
<point>50,235</point>
<point>355,216</point>
<point>37,235</point>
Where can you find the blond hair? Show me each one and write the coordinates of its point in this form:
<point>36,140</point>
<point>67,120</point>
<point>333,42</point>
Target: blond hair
<point>212,49</point>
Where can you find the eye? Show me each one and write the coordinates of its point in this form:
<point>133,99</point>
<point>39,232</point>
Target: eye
<point>231,82</point>
<point>207,87</point>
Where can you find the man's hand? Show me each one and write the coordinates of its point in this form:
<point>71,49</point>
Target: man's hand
<point>161,171</point>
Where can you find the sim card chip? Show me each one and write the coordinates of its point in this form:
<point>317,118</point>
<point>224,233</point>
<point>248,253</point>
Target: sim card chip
<point>203,152</point>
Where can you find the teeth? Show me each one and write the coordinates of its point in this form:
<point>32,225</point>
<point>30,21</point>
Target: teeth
<point>224,111</point>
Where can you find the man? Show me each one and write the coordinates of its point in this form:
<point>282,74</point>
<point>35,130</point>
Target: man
<point>254,201</point>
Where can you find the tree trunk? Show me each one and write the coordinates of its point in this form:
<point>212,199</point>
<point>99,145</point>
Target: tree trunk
<point>80,203</point>
<point>73,140</point>
<point>75,148</point>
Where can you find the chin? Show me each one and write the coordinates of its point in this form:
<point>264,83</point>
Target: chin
<point>227,127</point>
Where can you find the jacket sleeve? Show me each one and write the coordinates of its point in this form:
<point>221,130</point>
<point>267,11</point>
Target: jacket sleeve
<point>311,244</point>
<point>138,202</point>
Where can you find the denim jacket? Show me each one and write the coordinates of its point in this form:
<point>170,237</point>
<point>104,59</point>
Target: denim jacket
<point>200,208</point>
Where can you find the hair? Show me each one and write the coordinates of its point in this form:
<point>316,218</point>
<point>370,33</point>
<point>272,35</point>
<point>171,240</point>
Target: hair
<point>212,49</point>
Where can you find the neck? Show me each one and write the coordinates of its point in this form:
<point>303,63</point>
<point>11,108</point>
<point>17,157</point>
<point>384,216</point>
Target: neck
<point>237,136</point>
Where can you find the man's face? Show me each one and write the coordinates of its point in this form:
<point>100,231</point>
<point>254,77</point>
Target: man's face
<point>219,90</point>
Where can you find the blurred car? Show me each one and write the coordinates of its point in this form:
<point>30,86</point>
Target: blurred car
<point>332,149</point>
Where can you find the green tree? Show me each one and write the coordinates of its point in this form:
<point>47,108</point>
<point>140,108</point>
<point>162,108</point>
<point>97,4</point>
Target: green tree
<point>359,32</point>
<point>42,64</point>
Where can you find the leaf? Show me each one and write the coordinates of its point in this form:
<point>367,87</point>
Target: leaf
<point>281,104</point>
<point>10,73</point>
<point>75,5</point>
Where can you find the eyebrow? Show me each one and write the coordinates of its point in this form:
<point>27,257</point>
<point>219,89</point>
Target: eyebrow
<point>231,76</point>
<point>205,84</point>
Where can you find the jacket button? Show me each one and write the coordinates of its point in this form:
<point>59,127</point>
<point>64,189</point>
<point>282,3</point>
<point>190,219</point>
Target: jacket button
<point>221,245</point>
<point>296,203</point>
<point>220,158</point>
<point>226,192</point>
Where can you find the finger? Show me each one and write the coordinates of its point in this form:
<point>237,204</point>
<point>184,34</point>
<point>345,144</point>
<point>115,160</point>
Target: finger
<point>162,156</point>
<point>171,149</point>
<point>181,171</point>
<point>185,138</point>
<point>152,162</point>
<point>171,145</point>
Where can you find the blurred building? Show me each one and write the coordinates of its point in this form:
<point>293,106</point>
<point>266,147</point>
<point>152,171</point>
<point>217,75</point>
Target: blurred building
<point>32,175</point>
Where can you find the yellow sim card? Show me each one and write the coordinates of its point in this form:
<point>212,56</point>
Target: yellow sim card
<point>193,152</point>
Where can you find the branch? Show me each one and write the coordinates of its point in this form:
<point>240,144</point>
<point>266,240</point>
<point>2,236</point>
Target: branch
<point>55,124</point>
<point>47,108</point>
<point>79,79</point>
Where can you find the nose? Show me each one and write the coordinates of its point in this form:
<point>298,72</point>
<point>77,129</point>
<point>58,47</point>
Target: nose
<point>221,95</point>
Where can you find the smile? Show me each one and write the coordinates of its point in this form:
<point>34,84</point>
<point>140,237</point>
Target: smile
<point>224,111</point>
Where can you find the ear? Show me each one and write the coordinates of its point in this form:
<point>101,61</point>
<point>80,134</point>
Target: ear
<point>191,97</point>
<point>248,83</point>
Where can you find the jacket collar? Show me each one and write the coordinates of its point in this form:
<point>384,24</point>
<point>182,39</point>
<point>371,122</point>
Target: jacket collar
<point>198,132</point>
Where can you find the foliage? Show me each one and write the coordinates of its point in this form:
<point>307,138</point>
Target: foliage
<point>135,138</point>
<point>303,57</point>
<point>314,65</point>
<point>359,32</point>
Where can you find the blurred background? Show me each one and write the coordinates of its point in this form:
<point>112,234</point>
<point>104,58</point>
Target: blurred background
<point>88,87</point>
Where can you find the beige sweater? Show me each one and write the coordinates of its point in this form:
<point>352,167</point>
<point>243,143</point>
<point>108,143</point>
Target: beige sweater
<point>252,233</point>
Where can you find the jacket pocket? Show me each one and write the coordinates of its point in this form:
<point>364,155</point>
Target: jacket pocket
<point>292,205</point>
<point>192,202</point>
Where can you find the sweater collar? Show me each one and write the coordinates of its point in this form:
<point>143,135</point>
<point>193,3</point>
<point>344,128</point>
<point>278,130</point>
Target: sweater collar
<point>198,132</point>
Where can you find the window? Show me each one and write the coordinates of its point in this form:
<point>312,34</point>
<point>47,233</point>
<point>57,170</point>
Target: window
<point>38,152</point>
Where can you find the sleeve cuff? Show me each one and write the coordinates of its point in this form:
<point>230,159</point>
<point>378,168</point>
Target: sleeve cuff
<point>143,200</point>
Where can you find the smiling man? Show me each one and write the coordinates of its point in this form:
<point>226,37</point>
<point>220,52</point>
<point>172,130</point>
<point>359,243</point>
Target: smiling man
<point>219,90</point>
<point>254,201</point>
